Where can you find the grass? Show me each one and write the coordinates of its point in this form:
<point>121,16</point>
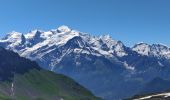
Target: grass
<point>45,85</point>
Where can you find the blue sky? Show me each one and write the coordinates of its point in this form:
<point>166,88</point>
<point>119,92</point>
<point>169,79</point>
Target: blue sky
<point>130,21</point>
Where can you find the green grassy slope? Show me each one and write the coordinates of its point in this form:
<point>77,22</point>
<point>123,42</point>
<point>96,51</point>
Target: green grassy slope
<point>22,79</point>
<point>43,85</point>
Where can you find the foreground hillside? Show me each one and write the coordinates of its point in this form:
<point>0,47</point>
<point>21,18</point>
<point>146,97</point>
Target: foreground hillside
<point>21,79</point>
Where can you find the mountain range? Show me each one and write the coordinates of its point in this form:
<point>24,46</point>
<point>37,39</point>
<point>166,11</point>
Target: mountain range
<point>103,65</point>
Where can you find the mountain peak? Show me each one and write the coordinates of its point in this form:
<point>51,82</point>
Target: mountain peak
<point>157,50</point>
<point>142,43</point>
<point>63,28</point>
<point>160,45</point>
<point>105,37</point>
<point>14,35</point>
<point>33,33</point>
<point>142,48</point>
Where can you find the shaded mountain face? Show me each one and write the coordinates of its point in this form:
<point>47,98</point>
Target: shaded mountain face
<point>156,85</point>
<point>22,79</point>
<point>11,63</point>
<point>156,89</point>
<point>105,66</point>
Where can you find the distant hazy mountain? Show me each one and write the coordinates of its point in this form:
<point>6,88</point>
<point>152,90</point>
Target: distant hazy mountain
<point>22,79</point>
<point>105,66</point>
<point>156,85</point>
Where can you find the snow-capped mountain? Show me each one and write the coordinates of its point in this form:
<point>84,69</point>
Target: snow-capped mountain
<point>156,50</point>
<point>105,66</point>
<point>36,39</point>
